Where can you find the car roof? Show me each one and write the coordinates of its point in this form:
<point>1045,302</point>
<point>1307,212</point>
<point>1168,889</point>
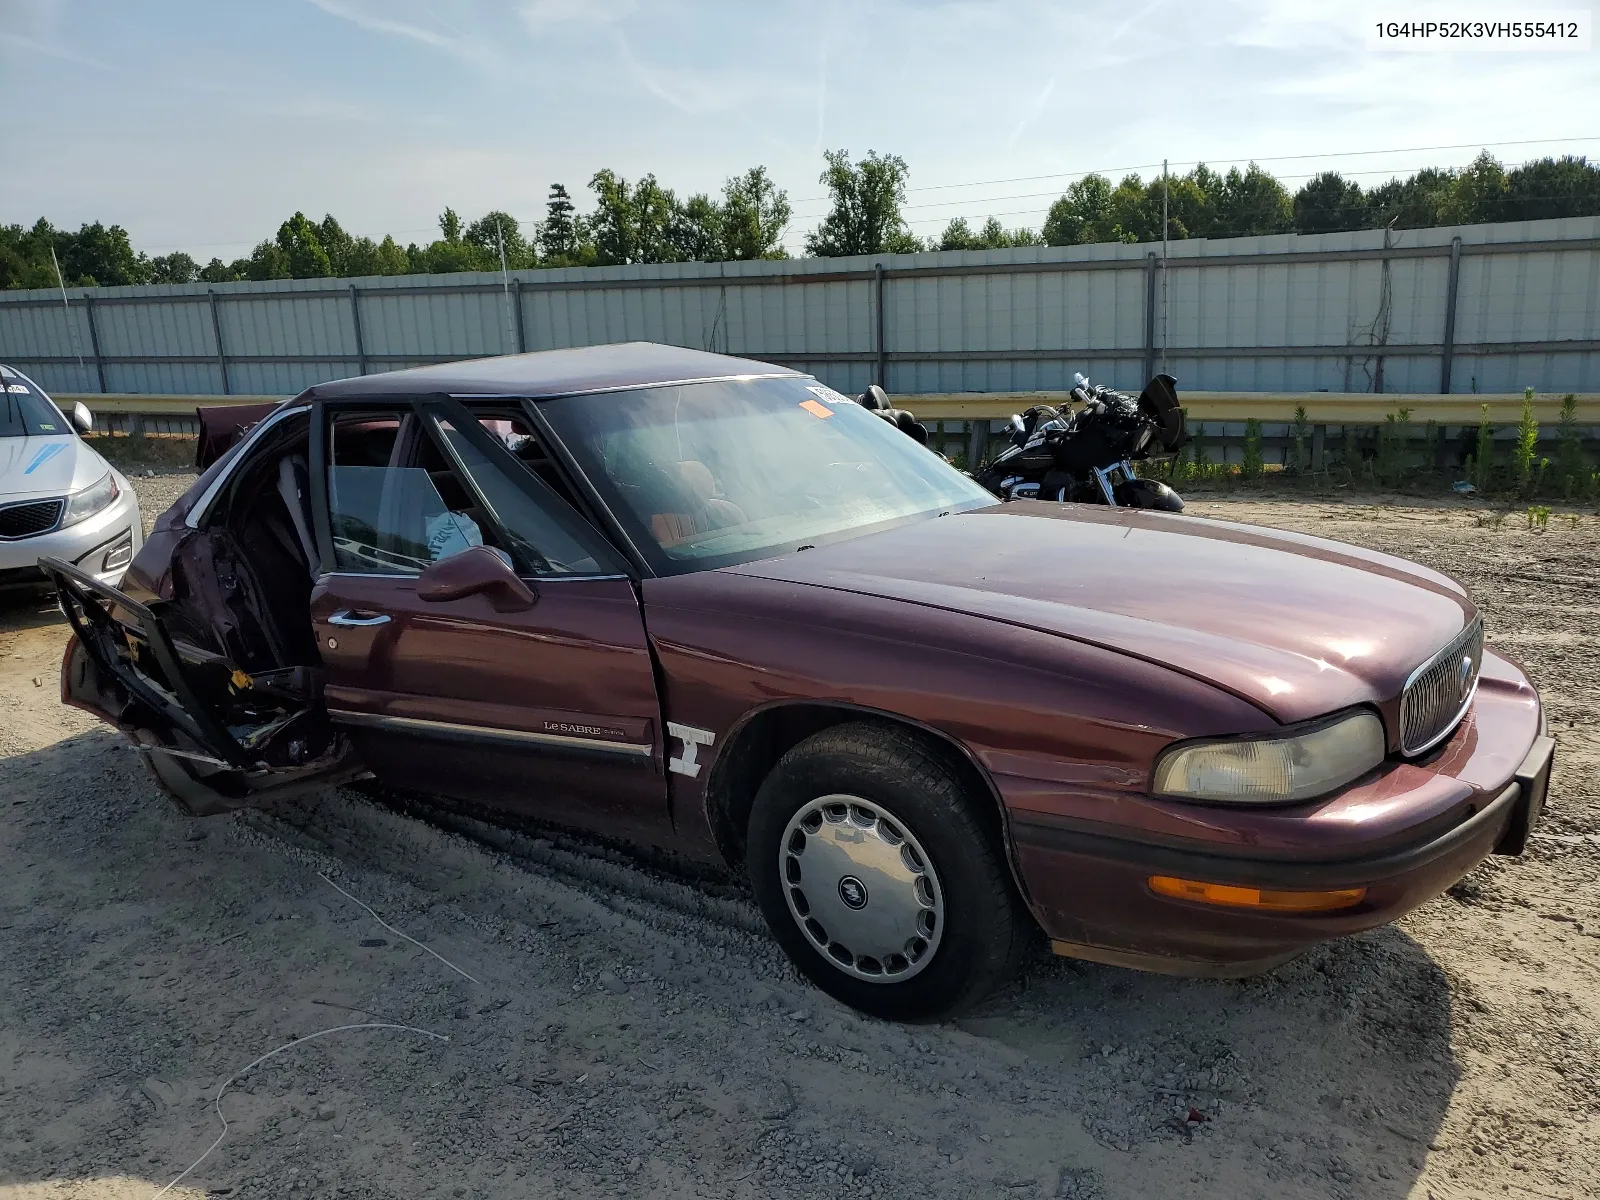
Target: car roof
<point>553,373</point>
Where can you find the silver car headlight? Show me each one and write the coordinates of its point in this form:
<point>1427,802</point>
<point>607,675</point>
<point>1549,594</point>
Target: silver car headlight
<point>84,504</point>
<point>1296,765</point>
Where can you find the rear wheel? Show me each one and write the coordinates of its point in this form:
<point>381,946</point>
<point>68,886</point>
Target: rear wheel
<point>879,877</point>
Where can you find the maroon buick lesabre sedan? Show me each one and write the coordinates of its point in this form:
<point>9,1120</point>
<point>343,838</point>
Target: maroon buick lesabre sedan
<point>709,606</point>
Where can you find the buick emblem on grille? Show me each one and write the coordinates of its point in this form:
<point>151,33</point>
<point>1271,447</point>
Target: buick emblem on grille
<point>1464,677</point>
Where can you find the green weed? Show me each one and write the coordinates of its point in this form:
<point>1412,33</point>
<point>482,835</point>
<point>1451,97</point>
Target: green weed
<point>1527,445</point>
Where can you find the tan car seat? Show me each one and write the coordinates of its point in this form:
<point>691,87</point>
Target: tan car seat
<point>703,509</point>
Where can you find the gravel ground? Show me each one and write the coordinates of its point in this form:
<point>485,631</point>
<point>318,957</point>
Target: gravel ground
<point>583,1025</point>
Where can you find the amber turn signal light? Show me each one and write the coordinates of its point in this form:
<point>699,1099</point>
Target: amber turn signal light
<point>1262,899</point>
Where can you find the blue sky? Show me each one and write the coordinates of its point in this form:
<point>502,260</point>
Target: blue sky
<point>200,124</point>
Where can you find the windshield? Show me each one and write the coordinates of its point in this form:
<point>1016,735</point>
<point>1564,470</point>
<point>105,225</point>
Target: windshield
<point>708,474</point>
<point>24,412</point>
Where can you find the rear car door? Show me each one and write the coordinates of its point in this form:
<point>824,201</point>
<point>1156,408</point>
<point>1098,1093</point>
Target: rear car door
<point>546,709</point>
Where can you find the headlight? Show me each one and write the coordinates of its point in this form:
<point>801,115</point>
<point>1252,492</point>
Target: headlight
<point>90,501</point>
<point>1273,770</point>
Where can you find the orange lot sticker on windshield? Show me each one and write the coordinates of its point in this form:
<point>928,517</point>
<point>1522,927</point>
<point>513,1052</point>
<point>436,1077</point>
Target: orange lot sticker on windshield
<point>815,409</point>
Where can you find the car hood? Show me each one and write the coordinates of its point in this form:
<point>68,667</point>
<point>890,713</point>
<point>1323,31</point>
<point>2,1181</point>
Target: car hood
<point>1298,626</point>
<point>46,465</point>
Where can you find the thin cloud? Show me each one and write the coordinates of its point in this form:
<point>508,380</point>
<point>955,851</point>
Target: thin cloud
<point>444,37</point>
<point>1138,18</point>
<point>539,15</point>
<point>688,91</point>
<point>52,50</point>
<point>1031,113</point>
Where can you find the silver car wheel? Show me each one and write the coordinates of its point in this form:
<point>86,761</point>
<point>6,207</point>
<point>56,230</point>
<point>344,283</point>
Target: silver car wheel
<point>862,888</point>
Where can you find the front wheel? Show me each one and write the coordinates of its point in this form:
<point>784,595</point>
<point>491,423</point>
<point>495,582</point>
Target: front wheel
<point>879,877</point>
<point>1147,493</point>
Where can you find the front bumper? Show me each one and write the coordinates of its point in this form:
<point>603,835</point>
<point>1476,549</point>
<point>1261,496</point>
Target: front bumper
<point>1405,835</point>
<point>85,544</point>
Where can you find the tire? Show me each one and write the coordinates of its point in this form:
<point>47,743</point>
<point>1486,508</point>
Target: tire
<point>1148,493</point>
<point>899,806</point>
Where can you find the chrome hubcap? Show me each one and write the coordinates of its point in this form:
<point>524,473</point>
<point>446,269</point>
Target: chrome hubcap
<point>862,888</point>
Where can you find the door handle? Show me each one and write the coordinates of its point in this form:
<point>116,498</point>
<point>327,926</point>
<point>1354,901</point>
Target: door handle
<point>347,616</point>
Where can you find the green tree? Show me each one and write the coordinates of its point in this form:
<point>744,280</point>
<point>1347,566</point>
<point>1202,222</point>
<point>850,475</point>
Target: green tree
<point>1135,213</point>
<point>865,217</point>
<point>300,242</point>
<point>267,261</point>
<point>217,271</point>
<point>1552,187</point>
<point>176,267</point>
<point>1083,215</point>
<point>391,259</point>
<point>366,257</point>
<point>695,230</point>
<point>1189,211</point>
<point>958,235</point>
<point>632,224</point>
<point>755,214</point>
<point>486,233</point>
<point>1330,203</point>
<point>558,234</point>
<point>1251,203</point>
<point>1201,220</point>
<point>339,247</point>
<point>1479,193</point>
<point>1412,203</point>
<point>449,252</point>
<point>99,254</point>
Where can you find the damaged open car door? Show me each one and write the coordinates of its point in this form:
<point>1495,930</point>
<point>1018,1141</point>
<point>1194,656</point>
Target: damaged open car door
<point>204,658</point>
<point>379,586</point>
<point>124,666</point>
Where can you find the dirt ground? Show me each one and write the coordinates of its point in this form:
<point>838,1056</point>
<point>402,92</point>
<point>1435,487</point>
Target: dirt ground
<point>594,1027</point>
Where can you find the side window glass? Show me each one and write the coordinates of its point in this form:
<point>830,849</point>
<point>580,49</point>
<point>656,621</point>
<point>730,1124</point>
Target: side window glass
<point>543,540</point>
<point>386,518</point>
<point>513,432</point>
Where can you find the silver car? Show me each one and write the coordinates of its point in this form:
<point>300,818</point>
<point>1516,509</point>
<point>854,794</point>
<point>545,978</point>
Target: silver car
<point>58,497</point>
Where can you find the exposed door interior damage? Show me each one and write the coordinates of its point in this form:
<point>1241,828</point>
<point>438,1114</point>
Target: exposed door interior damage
<point>219,677</point>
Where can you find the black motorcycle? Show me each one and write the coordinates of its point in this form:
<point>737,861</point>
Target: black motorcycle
<point>1085,455</point>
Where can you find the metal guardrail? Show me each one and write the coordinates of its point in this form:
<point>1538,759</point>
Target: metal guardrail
<point>1322,408</point>
<point>967,422</point>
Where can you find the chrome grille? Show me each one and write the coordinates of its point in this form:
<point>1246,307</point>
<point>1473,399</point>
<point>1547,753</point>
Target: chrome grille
<point>1438,692</point>
<point>29,518</point>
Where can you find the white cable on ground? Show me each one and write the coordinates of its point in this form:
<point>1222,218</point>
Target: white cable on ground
<point>397,933</point>
<point>217,1103</point>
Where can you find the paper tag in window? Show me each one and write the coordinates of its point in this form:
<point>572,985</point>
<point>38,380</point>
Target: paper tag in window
<point>827,395</point>
<point>17,388</point>
<point>451,533</point>
<point>816,410</point>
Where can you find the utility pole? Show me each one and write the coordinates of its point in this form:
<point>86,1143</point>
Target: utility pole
<point>72,327</point>
<point>505,282</point>
<point>1164,227</point>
